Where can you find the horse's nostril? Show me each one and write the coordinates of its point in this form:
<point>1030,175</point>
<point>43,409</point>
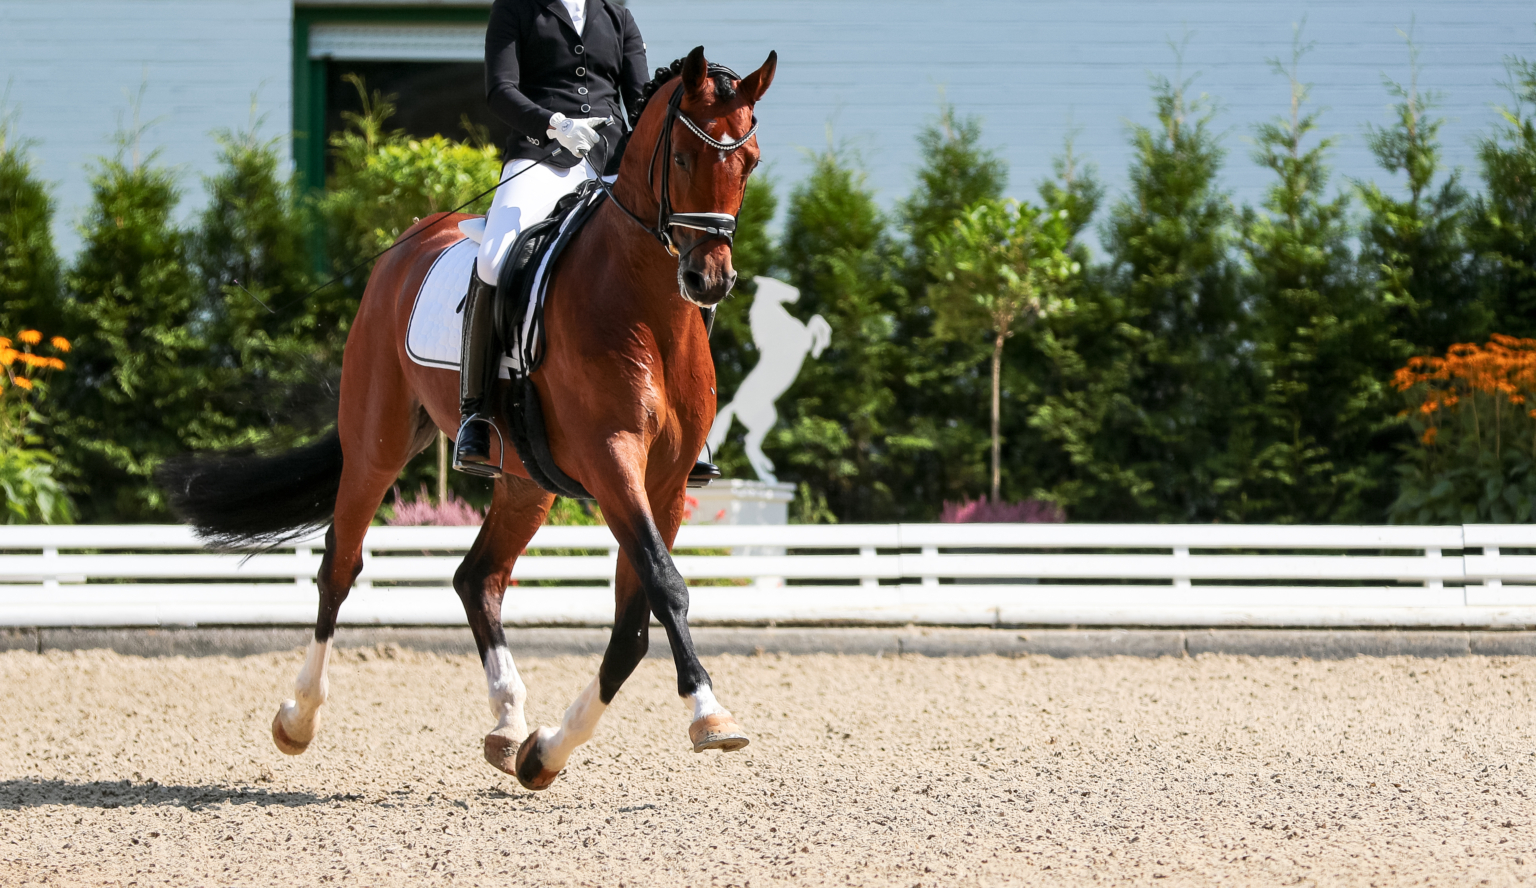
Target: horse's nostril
<point>694,281</point>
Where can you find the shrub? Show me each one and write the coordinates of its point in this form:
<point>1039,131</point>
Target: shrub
<point>450,512</point>
<point>983,511</point>
<point>29,490</point>
<point>1474,460</point>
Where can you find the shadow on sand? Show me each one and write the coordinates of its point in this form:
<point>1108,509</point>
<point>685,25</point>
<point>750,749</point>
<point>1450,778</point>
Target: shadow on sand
<point>16,795</point>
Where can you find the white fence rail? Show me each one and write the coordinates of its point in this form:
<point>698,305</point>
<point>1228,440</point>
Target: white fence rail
<point>978,574</point>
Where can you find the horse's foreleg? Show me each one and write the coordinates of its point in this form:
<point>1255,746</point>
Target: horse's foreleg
<point>518,507</point>
<point>713,727</point>
<point>545,752</point>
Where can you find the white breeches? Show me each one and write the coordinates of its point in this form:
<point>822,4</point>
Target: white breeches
<point>526,200</point>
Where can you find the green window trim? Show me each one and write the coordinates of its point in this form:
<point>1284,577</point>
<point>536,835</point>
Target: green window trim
<point>309,74</point>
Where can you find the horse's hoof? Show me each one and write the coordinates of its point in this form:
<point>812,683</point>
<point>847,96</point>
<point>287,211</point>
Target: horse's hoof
<point>285,744</point>
<point>718,731</point>
<point>501,750</point>
<point>530,771</point>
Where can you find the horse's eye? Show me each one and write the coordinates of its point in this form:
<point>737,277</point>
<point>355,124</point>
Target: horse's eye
<point>678,159</point>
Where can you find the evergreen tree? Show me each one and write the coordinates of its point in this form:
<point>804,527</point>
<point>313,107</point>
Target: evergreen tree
<point>29,268</point>
<point>1323,351</point>
<point>134,394</point>
<point>1075,376</point>
<point>1415,242</point>
<point>1503,231</point>
<point>252,258</point>
<point>1169,243</point>
<point>835,435</point>
<point>942,394</point>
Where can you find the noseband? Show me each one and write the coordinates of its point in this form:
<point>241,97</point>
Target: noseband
<point>721,225</point>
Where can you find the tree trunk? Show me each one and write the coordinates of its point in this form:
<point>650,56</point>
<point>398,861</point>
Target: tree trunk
<point>442,468</point>
<point>997,410</point>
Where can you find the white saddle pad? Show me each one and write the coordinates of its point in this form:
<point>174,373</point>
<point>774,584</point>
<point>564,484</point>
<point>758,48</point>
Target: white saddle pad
<point>435,336</point>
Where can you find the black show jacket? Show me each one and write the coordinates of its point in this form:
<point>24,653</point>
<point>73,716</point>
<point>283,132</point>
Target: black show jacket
<point>536,64</point>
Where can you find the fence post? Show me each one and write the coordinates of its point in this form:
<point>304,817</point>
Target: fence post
<point>1434,555</point>
<point>1492,583</point>
<point>869,581</point>
<point>1178,581</point>
<point>51,575</point>
<point>930,552</point>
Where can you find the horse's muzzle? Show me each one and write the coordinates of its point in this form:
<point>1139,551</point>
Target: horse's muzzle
<point>701,287</point>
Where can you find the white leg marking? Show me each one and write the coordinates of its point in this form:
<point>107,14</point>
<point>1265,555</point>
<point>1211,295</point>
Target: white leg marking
<point>301,716</point>
<point>703,702</point>
<point>557,744</point>
<point>508,693</point>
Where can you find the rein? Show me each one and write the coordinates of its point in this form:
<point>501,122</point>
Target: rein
<point>721,225</point>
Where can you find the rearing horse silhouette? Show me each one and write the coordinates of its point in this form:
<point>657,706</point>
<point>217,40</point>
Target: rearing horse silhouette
<point>782,342</point>
<point>628,385</point>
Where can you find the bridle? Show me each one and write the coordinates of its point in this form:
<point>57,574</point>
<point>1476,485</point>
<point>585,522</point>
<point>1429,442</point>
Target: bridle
<point>715,225</point>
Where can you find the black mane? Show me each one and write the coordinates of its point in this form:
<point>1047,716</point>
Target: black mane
<point>725,83</point>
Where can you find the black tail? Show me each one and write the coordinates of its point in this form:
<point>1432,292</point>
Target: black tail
<point>241,500</point>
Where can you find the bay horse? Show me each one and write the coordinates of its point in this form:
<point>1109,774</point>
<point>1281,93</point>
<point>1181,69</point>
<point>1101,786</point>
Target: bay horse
<point>628,384</point>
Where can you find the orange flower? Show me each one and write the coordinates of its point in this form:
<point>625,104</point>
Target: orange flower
<point>30,337</point>
<point>8,356</point>
<point>59,343</point>
<point>23,383</point>
<point>55,364</point>
<point>1429,436</point>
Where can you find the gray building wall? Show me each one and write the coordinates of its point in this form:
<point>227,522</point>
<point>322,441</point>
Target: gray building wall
<point>870,71</point>
<point>71,69</point>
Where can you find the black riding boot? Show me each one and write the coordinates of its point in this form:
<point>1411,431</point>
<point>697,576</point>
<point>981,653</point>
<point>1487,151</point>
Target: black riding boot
<point>477,374</point>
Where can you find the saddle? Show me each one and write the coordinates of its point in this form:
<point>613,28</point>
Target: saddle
<point>518,315</point>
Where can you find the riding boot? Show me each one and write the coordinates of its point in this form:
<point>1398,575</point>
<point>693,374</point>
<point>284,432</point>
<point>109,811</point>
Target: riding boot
<point>477,375</point>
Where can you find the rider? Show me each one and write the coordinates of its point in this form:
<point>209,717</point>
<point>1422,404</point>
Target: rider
<point>555,70</point>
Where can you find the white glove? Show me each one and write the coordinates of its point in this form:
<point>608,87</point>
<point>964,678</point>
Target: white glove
<point>576,135</point>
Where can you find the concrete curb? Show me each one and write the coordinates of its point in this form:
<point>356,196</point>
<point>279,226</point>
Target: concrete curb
<point>1330,644</point>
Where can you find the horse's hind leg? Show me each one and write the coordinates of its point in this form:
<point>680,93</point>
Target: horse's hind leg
<point>518,507</point>
<point>366,476</point>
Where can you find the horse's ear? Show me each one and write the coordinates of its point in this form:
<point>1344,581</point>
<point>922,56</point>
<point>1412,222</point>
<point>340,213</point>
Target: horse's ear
<point>695,71</point>
<point>755,84</point>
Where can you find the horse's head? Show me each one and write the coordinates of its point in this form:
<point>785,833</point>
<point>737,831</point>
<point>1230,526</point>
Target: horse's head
<point>697,133</point>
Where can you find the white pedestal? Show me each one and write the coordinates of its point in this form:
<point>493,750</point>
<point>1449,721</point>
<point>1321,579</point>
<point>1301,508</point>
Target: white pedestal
<point>734,501</point>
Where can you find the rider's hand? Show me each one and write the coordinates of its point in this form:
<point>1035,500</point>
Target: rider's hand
<point>576,135</point>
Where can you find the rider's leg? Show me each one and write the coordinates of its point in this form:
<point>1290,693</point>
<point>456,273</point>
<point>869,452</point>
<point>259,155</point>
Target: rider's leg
<point>517,204</point>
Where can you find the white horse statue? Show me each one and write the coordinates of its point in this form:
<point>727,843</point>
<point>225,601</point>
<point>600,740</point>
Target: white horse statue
<point>782,343</point>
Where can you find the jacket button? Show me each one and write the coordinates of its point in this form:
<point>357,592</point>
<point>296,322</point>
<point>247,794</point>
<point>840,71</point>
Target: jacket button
<point>581,90</point>
<point>580,49</point>
<point>585,108</point>
<point>581,72</point>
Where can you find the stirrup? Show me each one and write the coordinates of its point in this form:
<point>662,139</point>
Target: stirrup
<point>479,469</point>
<point>703,473</point>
